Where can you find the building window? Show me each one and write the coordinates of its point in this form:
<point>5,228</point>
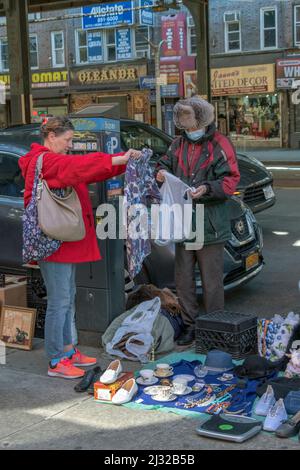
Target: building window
<point>58,49</point>
<point>88,47</point>
<point>111,50</point>
<point>142,46</point>
<point>34,16</point>
<point>3,55</point>
<point>232,31</point>
<point>297,25</point>
<point>268,18</point>
<point>192,36</point>
<point>33,51</point>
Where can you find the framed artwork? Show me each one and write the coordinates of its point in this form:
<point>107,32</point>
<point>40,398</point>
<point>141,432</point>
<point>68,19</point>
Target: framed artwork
<point>17,326</point>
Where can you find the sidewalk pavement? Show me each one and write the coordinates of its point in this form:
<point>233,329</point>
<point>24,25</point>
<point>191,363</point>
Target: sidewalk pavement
<point>39,412</point>
<point>274,156</point>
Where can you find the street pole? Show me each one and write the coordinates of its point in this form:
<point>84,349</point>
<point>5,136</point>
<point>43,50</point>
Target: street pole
<point>157,49</point>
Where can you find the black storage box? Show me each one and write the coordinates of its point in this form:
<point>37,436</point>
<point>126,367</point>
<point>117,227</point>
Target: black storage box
<point>37,298</point>
<point>231,332</point>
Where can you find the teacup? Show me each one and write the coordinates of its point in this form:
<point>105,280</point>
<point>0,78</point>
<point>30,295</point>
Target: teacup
<point>147,375</point>
<point>163,369</point>
<point>179,385</point>
<point>164,393</point>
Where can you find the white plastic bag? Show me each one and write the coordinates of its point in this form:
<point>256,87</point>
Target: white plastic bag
<point>140,324</point>
<point>173,219</point>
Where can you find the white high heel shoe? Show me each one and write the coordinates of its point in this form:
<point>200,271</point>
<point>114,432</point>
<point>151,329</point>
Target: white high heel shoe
<point>125,393</point>
<point>112,372</point>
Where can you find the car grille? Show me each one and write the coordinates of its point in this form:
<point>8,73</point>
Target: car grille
<point>236,251</point>
<point>255,195</point>
<point>240,228</point>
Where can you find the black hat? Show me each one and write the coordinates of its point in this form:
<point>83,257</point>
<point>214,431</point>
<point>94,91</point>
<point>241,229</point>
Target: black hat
<point>255,367</point>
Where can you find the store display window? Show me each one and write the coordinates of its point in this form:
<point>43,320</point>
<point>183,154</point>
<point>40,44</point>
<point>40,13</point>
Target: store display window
<point>255,117</point>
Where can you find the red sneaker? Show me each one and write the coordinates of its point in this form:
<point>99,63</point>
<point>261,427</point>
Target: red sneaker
<point>79,359</point>
<point>65,369</point>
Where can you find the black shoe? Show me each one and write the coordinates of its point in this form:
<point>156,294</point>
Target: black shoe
<point>96,378</point>
<point>186,337</point>
<point>290,427</point>
<point>87,379</point>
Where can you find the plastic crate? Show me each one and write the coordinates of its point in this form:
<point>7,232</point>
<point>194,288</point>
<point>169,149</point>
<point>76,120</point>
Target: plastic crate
<point>37,298</point>
<point>231,332</point>
<point>36,290</point>
<point>41,308</point>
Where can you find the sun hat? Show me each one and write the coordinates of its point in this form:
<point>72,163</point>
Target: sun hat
<point>255,367</point>
<point>192,113</point>
<point>217,362</point>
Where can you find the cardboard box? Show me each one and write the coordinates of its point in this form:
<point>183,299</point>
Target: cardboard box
<point>14,294</point>
<point>104,392</point>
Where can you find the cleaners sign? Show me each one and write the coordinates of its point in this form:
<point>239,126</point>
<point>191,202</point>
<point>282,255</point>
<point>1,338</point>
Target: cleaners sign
<point>107,15</point>
<point>287,70</point>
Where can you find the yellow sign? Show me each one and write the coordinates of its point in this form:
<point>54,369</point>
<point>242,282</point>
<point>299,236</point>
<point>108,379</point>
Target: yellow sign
<point>47,79</point>
<point>244,80</point>
<point>95,76</point>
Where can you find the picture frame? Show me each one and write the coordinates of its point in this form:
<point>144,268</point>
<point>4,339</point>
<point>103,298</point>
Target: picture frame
<point>17,326</point>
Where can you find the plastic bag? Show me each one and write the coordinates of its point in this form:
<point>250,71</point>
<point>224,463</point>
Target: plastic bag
<point>274,335</point>
<point>173,218</point>
<point>139,325</point>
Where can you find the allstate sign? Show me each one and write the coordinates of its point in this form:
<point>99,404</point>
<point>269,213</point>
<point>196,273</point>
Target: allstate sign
<point>107,15</point>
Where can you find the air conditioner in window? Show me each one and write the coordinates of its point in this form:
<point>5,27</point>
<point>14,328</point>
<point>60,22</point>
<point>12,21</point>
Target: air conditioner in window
<point>190,22</point>
<point>232,16</point>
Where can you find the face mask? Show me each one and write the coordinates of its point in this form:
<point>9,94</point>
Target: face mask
<point>196,135</point>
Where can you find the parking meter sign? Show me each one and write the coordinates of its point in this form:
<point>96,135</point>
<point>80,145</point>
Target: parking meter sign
<point>111,142</point>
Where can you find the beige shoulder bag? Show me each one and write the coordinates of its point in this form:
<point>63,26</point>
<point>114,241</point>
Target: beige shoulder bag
<point>59,217</point>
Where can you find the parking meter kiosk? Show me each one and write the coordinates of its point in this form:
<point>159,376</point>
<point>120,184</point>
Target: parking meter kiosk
<point>100,285</point>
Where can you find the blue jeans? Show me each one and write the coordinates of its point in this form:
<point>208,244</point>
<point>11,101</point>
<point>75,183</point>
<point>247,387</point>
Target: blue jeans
<point>60,329</point>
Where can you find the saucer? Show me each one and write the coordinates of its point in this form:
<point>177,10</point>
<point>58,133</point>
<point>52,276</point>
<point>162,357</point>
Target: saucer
<point>171,398</point>
<point>152,390</point>
<point>164,376</point>
<point>187,377</point>
<point>186,392</point>
<point>141,381</point>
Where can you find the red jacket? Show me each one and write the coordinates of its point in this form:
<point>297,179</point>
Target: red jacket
<point>71,170</point>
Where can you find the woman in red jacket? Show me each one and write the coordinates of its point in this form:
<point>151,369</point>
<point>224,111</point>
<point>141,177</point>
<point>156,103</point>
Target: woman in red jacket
<point>58,270</point>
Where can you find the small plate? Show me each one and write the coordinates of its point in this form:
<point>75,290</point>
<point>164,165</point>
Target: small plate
<point>164,376</point>
<point>187,377</point>
<point>186,392</point>
<point>171,398</point>
<point>141,381</point>
<point>152,390</point>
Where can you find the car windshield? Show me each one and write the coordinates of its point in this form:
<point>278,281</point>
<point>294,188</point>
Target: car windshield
<point>138,137</point>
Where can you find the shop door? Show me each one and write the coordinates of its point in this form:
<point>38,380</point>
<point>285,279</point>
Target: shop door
<point>122,100</point>
<point>222,115</point>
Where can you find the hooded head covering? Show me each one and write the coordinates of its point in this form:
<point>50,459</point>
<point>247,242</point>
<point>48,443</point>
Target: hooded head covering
<point>192,113</point>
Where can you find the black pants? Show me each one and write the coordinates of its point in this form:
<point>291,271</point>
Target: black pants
<point>211,265</point>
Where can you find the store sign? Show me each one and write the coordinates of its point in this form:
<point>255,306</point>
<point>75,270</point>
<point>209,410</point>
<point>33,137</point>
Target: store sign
<point>147,83</point>
<point>107,15</point>
<point>243,80</point>
<point>174,32</point>
<point>171,70</point>
<point>106,75</point>
<point>287,71</point>
<point>96,125</point>
<point>170,91</point>
<point>95,51</point>
<point>146,14</point>
<point>123,41</point>
<point>47,79</point>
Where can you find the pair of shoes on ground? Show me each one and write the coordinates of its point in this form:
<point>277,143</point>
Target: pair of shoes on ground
<point>128,389</point>
<point>87,383</point>
<point>274,411</point>
<point>68,368</point>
